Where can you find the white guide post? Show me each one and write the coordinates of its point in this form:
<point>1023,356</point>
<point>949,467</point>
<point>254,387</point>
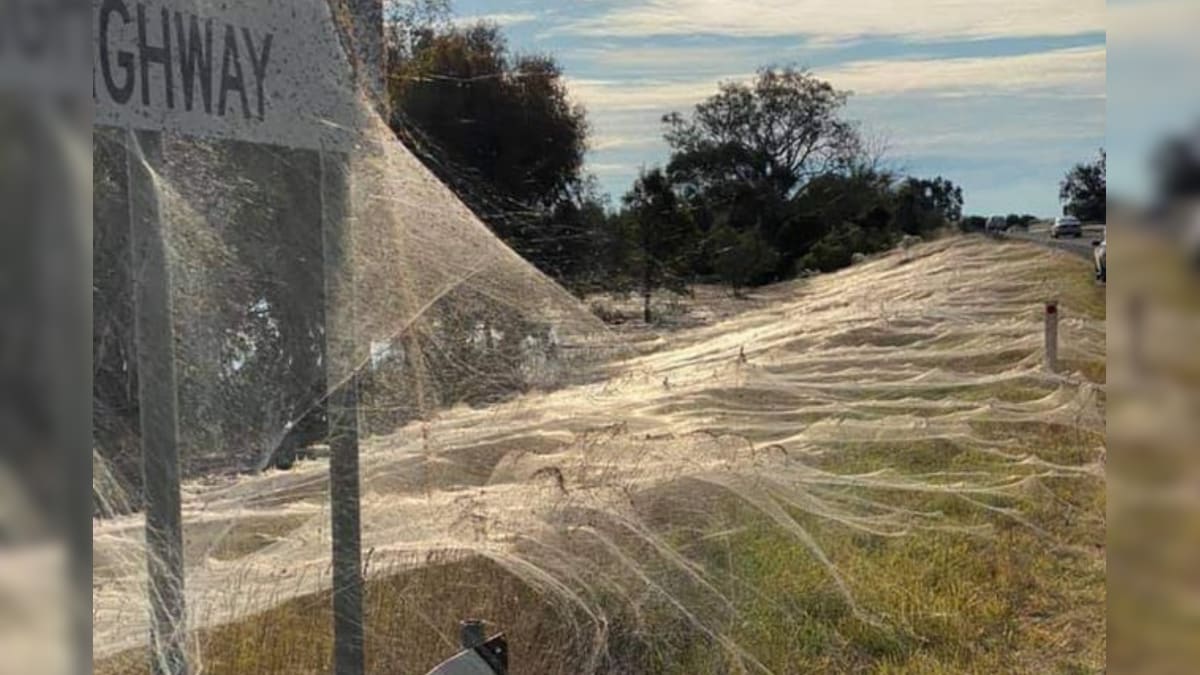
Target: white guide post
<point>1052,336</point>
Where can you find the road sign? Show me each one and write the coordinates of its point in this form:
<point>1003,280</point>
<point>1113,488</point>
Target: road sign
<point>267,71</point>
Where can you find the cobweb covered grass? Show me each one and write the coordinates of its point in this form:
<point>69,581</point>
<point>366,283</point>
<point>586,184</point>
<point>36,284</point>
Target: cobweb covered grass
<point>867,471</point>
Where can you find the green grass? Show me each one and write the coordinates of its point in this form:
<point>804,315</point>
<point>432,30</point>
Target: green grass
<point>1029,597</point>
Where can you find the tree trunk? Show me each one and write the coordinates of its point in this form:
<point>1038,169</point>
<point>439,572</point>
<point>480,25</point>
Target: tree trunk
<point>647,291</point>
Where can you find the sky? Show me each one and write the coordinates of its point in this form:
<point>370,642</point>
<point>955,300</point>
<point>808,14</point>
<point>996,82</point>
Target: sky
<point>1152,92</point>
<point>1000,97</point>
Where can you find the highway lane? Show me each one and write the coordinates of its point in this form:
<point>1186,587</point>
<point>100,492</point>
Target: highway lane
<point>1040,234</point>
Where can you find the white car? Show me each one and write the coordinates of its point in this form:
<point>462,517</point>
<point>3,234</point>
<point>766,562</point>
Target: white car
<point>1066,226</point>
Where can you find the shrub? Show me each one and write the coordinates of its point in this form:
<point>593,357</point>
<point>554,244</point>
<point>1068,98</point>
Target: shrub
<point>744,258</point>
<point>973,224</point>
<point>837,248</point>
<point>607,313</point>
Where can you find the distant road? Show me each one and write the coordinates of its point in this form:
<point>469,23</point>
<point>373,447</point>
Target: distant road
<point>1040,234</point>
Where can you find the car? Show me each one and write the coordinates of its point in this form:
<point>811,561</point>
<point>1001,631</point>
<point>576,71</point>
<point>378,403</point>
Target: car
<point>1066,226</point>
<point>1100,258</point>
<point>996,225</point>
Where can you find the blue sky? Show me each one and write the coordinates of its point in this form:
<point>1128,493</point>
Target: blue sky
<point>1001,97</point>
<point>1152,92</point>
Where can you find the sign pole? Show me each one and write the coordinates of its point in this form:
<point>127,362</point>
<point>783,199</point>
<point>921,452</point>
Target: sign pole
<point>158,408</point>
<point>341,356</point>
<point>342,416</point>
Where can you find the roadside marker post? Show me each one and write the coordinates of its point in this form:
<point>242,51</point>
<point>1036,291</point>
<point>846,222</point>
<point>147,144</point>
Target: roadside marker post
<point>1052,336</point>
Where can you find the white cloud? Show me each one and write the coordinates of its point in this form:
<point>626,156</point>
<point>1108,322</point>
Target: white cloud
<point>616,141</point>
<point>667,60</point>
<point>1078,72</point>
<point>509,19</point>
<point>641,95</point>
<point>1154,23</point>
<point>1012,141</point>
<point>1065,73</point>
<point>839,20</point>
<point>602,169</point>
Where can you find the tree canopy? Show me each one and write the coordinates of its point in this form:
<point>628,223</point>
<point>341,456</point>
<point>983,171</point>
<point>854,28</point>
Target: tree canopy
<point>1177,166</point>
<point>776,180</point>
<point>498,128</point>
<point>765,179</point>
<point>774,134</point>
<point>1084,190</point>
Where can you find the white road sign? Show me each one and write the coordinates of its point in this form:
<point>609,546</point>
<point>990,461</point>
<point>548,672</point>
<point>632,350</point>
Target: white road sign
<point>264,71</point>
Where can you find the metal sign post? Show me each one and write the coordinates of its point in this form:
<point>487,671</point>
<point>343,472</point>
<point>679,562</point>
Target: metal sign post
<point>341,357</point>
<point>158,408</point>
<point>342,415</point>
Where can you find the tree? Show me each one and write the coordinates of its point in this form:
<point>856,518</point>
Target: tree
<point>499,129</point>
<point>744,156</point>
<point>411,24</point>
<point>973,224</point>
<point>571,234</point>
<point>1177,167</point>
<point>1021,221</point>
<point>777,133</point>
<point>837,248</point>
<point>926,205</point>
<point>661,235</point>
<point>1084,190</point>
<point>743,258</point>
